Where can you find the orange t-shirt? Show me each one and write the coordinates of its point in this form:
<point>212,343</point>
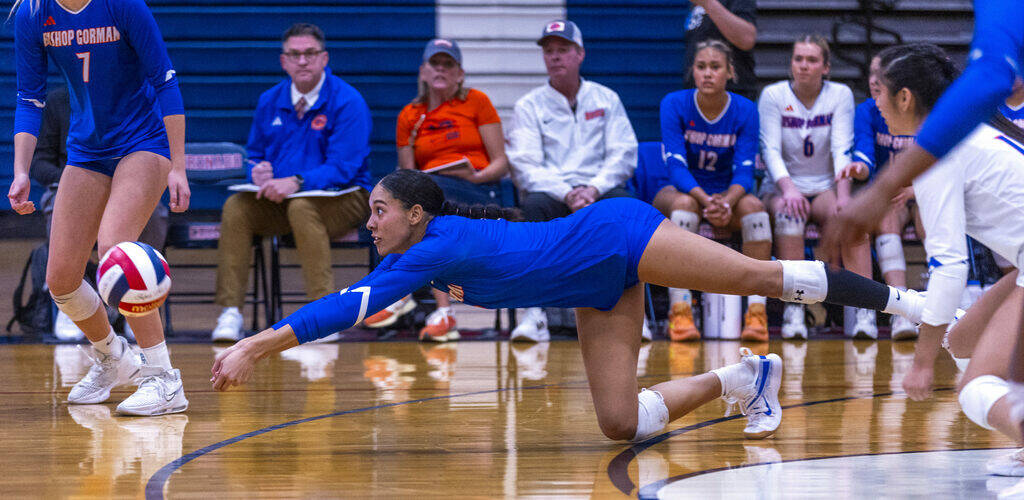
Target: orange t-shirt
<point>449,132</point>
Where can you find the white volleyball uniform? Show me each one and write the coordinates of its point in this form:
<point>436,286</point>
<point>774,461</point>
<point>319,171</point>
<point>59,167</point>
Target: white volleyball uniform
<point>811,145</point>
<point>978,190</point>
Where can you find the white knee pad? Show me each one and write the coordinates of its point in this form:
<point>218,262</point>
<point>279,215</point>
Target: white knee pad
<point>979,395</point>
<point>786,225</point>
<point>756,227</point>
<point>652,414</point>
<point>804,281</point>
<point>889,248</point>
<point>685,219</point>
<point>79,304</point>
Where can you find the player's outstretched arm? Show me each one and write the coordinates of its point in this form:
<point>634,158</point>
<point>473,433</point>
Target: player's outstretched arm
<point>236,364</point>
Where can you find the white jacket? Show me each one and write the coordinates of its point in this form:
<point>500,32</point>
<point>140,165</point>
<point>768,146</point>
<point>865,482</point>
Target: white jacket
<point>553,149</point>
<point>797,142</point>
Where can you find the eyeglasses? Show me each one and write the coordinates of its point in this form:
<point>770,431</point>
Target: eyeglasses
<point>296,56</point>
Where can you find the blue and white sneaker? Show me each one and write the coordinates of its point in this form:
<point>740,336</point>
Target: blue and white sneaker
<point>759,401</point>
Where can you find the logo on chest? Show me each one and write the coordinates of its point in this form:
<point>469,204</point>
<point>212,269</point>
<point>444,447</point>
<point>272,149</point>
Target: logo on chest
<point>597,113</point>
<point>456,292</point>
<point>319,122</point>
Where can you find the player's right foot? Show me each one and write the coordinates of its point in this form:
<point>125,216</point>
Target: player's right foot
<point>160,392</point>
<point>759,400</point>
<point>793,325</point>
<point>755,324</point>
<point>440,326</point>
<point>680,323</point>
<point>1007,465</point>
<point>107,371</point>
<point>391,313</point>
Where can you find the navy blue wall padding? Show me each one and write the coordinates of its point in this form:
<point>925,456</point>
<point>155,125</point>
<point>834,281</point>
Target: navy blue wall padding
<point>636,50</point>
<point>226,55</point>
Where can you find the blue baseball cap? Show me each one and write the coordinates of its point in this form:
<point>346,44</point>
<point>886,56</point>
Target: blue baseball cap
<point>562,29</point>
<point>442,46</point>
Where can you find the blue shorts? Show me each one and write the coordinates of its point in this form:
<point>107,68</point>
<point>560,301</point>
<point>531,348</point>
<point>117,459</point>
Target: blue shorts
<point>106,166</point>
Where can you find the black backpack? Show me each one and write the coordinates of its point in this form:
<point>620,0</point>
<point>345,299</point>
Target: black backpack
<point>34,315</point>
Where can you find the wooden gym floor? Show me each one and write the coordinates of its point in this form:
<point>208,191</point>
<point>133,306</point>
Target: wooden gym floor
<point>486,419</point>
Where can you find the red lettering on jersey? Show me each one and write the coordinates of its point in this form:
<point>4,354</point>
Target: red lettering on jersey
<point>319,122</point>
<point>597,113</point>
<point>50,22</point>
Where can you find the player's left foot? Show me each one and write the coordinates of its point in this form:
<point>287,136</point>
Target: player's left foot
<point>759,401</point>
<point>160,391</point>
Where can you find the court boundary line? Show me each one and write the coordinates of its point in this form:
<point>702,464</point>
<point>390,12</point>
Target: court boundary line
<point>156,483</point>
<point>619,478</point>
<point>618,467</point>
<point>651,490</point>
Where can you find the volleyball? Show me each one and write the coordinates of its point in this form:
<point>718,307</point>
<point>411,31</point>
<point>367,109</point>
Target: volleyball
<point>133,277</point>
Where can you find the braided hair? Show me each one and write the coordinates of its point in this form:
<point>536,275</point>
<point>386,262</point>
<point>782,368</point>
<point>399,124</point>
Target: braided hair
<point>412,187</point>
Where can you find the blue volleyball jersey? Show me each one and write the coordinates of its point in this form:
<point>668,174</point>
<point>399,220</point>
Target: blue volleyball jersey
<point>873,144</point>
<point>119,76</point>
<point>584,260</point>
<point>712,154</point>
<point>1015,115</point>
<point>995,59</point>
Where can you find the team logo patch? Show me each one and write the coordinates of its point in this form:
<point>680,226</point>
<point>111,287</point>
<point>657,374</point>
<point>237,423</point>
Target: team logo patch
<point>442,43</point>
<point>556,26</point>
<point>789,108</point>
<point>692,124</point>
<point>319,122</point>
<point>277,122</point>
<point>456,292</point>
<point>597,113</point>
<point>50,22</point>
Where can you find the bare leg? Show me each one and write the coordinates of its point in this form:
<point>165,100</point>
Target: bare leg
<point>677,258</point>
<point>610,342</point>
<point>138,182</point>
<point>968,330</point>
<point>442,298</point>
<point>77,211</point>
<point>786,247</point>
<point>992,356</point>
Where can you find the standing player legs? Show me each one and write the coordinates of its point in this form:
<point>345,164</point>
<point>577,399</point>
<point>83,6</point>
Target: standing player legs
<point>77,212</point>
<point>138,183</point>
<point>856,258</point>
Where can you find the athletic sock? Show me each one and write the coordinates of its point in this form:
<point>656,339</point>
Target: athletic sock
<point>157,356</point>
<point>108,344</point>
<point>733,376</point>
<point>908,304</point>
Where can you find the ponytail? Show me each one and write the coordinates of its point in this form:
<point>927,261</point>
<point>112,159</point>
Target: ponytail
<point>478,211</point>
<point>412,187</point>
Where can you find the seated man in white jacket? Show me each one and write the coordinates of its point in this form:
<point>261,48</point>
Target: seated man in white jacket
<point>571,145</point>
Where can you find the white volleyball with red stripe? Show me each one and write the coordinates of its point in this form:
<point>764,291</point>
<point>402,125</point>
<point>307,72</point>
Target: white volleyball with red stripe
<point>133,277</point>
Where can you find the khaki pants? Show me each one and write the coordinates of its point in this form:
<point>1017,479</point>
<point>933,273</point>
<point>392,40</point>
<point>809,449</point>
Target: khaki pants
<point>313,222</point>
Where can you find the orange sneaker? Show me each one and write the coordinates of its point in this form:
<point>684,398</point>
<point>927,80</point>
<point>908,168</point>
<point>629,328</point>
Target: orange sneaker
<point>680,323</point>
<point>390,314</point>
<point>440,326</point>
<point>755,324</point>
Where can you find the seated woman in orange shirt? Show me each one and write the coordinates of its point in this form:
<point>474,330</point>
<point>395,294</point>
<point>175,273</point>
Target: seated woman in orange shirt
<point>454,133</point>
